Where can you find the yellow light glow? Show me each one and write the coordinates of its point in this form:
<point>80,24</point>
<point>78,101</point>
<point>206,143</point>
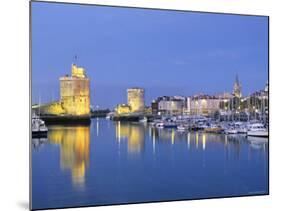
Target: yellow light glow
<point>173,136</point>
<point>204,141</point>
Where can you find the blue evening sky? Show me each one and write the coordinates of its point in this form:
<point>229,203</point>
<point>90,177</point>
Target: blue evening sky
<point>165,52</point>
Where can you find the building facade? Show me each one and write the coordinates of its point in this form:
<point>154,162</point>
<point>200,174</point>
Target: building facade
<point>123,109</point>
<point>135,98</point>
<point>170,105</point>
<point>204,105</point>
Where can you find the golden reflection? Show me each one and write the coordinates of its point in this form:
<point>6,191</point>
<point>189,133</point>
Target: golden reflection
<point>74,145</point>
<point>134,133</point>
<point>204,141</point>
<point>173,136</point>
<point>153,140</point>
<point>188,140</point>
<point>197,139</point>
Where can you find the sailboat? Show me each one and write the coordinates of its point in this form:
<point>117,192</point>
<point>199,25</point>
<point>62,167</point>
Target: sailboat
<point>38,126</point>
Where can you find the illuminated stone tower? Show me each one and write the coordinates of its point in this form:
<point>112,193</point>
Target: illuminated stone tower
<point>136,99</point>
<point>237,88</point>
<point>75,92</point>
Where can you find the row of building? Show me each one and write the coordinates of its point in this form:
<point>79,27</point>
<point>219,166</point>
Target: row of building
<point>207,105</point>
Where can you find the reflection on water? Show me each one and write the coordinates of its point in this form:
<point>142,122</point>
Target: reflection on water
<point>74,145</point>
<point>175,165</point>
<point>133,133</point>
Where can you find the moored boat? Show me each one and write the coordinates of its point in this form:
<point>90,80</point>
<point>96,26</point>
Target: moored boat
<point>143,120</point>
<point>170,125</point>
<point>39,128</point>
<point>231,131</point>
<point>181,128</point>
<point>257,130</point>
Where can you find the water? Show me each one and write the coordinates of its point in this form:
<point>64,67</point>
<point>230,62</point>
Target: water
<point>112,162</point>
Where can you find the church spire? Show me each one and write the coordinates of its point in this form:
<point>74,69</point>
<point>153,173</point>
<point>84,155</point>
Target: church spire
<point>237,88</point>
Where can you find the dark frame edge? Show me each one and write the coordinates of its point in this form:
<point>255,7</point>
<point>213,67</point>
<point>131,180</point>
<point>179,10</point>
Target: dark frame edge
<point>30,103</point>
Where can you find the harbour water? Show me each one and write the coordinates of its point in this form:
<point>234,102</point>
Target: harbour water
<point>114,163</point>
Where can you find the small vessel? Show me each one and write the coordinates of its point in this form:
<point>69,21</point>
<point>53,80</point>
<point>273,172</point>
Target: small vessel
<point>242,130</point>
<point>231,131</point>
<point>257,130</point>
<point>143,120</point>
<point>214,129</point>
<point>159,125</point>
<point>170,125</point>
<point>240,127</point>
<point>180,128</point>
<point>39,128</point>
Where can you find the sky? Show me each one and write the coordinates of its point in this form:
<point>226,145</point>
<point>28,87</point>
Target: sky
<point>164,52</point>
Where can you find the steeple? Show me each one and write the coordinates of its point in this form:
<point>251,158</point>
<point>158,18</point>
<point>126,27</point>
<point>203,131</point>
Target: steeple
<point>237,88</point>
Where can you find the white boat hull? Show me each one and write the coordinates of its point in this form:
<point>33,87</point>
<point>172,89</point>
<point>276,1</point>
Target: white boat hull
<point>258,133</point>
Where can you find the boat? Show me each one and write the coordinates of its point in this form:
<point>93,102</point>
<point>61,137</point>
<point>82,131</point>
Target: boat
<point>143,120</point>
<point>170,125</point>
<point>257,130</point>
<point>159,125</point>
<point>180,128</point>
<point>240,127</point>
<point>242,130</point>
<point>231,131</point>
<point>214,129</point>
<point>39,128</point>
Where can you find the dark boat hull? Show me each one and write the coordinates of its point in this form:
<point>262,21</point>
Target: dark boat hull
<point>51,120</point>
<point>39,134</point>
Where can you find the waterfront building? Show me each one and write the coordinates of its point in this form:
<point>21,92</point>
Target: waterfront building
<point>123,109</point>
<point>205,105</point>
<point>171,105</point>
<point>74,96</point>
<point>135,98</point>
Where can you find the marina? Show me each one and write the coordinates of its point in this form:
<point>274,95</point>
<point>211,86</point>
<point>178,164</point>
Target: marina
<point>208,125</point>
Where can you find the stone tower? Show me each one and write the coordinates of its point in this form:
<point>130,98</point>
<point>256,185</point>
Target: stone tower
<point>75,92</point>
<point>136,99</point>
